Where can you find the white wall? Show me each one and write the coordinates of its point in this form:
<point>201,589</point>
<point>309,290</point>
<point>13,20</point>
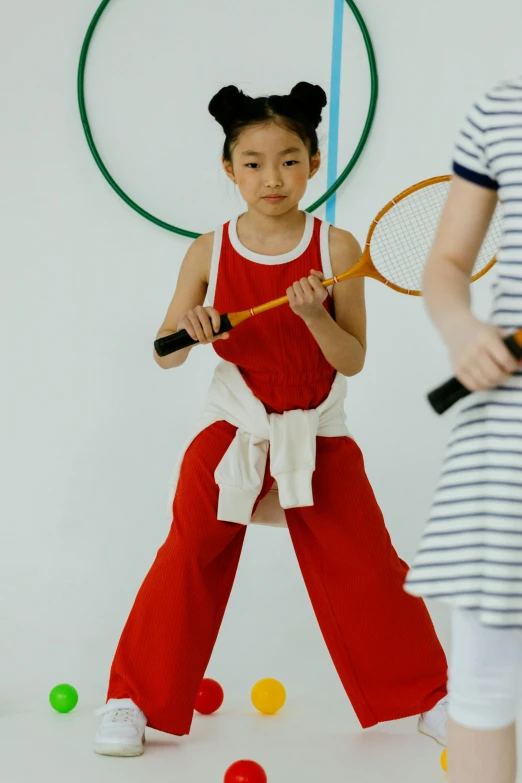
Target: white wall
<point>90,426</point>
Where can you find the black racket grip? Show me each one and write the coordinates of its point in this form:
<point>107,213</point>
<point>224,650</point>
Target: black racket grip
<point>182,339</point>
<point>445,397</point>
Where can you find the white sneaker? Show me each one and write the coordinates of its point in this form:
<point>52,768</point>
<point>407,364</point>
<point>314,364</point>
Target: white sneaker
<point>434,723</point>
<point>122,730</point>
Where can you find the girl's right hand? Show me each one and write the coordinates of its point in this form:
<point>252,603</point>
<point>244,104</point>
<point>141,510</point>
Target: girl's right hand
<point>202,323</point>
<point>478,355</point>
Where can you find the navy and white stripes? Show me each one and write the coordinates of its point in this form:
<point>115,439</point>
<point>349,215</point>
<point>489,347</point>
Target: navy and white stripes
<point>471,553</point>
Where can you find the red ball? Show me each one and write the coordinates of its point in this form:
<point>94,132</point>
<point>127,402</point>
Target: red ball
<point>245,772</point>
<point>210,697</point>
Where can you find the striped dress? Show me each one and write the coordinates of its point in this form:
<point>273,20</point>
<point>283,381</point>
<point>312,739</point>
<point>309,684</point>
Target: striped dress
<point>471,553</point>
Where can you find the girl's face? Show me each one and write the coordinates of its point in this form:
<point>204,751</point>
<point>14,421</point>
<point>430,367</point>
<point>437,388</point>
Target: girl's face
<point>271,166</point>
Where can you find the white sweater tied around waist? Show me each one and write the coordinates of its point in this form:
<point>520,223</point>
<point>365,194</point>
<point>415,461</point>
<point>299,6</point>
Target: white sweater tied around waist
<point>290,436</point>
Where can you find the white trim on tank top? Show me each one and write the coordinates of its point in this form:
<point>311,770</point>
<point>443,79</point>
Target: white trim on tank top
<point>325,252</point>
<point>214,266</point>
<point>285,258</point>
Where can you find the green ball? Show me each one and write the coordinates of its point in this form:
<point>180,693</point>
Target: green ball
<point>63,698</point>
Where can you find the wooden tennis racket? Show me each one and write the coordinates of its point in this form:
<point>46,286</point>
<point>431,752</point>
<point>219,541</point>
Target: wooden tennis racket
<point>444,397</point>
<point>398,244</point>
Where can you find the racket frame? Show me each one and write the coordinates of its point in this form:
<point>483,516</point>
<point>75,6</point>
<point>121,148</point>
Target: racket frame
<point>364,267</point>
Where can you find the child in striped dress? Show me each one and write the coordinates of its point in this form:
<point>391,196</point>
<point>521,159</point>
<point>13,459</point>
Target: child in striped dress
<point>471,553</point>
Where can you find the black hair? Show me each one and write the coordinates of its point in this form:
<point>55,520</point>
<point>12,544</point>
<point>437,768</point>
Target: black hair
<point>300,112</point>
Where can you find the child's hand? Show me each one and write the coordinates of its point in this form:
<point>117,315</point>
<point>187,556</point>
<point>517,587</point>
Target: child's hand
<point>307,295</point>
<point>478,354</point>
<point>202,323</point>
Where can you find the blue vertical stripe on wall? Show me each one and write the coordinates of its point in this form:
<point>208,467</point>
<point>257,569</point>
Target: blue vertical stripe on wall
<point>335,99</point>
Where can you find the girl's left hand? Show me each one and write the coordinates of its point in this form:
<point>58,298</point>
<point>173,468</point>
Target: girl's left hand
<point>307,295</point>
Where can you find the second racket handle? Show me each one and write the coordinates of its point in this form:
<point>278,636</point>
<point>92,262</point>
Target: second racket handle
<point>445,397</point>
<point>182,339</point>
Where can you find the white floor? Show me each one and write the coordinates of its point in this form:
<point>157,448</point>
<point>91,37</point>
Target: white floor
<point>303,744</point>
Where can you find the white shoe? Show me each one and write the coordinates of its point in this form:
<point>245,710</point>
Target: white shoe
<point>122,730</point>
<point>434,723</point>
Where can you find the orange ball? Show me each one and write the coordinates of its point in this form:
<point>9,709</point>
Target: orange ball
<point>268,696</point>
<point>444,760</point>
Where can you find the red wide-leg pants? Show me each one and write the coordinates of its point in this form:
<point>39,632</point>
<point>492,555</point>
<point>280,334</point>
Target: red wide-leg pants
<point>381,640</point>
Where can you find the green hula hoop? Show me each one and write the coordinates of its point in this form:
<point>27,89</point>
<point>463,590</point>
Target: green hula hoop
<point>161,223</point>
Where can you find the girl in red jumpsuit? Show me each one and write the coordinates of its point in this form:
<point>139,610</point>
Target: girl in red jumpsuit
<point>381,640</point>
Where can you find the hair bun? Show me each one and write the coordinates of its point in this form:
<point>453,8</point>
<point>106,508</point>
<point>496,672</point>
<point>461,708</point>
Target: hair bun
<point>227,104</point>
<point>312,99</point>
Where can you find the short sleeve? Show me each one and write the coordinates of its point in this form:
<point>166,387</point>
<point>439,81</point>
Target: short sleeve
<point>469,160</point>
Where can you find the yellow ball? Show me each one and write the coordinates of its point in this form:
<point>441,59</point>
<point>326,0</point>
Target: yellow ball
<point>268,696</point>
<point>444,760</point>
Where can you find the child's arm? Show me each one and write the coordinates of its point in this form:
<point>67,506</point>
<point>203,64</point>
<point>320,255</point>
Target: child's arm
<point>186,310</point>
<point>479,357</point>
<point>343,340</point>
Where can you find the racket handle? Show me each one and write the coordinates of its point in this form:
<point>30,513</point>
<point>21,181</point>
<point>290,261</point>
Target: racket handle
<point>182,339</point>
<point>445,397</point>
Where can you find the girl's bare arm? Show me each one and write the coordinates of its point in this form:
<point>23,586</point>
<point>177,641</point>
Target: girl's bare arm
<point>186,309</point>
<point>343,339</point>
<point>479,356</point>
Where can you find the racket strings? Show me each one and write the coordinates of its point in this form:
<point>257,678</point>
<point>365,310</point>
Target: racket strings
<point>403,238</point>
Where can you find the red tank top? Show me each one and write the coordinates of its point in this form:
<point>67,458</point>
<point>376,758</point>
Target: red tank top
<point>275,352</point>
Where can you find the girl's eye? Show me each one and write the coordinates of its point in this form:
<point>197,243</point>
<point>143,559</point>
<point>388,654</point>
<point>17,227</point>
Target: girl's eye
<point>290,163</point>
<point>252,165</point>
